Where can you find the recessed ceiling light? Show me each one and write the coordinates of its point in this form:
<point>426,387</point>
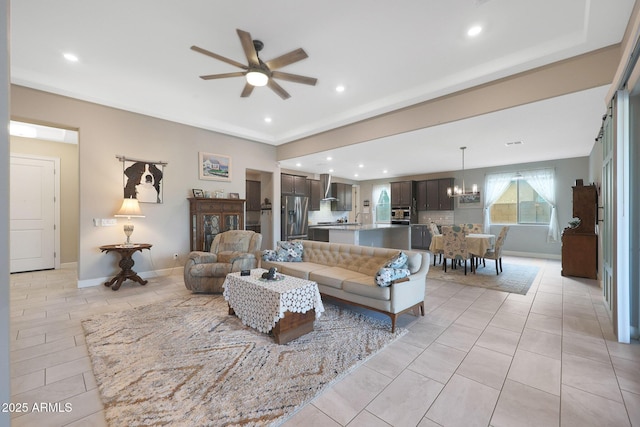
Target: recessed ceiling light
<point>267,119</point>
<point>330,170</point>
<point>355,174</point>
<point>339,88</point>
<point>329,158</point>
<point>298,164</point>
<point>70,57</point>
<point>474,31</point>
<point>385,171</point>
<point>360,165</point>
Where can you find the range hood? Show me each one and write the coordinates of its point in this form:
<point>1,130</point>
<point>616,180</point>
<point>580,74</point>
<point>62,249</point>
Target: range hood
<point>325,182</point>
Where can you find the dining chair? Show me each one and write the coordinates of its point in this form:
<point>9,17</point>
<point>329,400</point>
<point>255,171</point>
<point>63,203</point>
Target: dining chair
<point>496,253</point>
<point>472,228</point>
<point>455,246</point>
<point>433,230</point>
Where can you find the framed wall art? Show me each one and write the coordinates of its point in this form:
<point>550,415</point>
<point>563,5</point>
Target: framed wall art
<point>143,180</point>
<point>216,167</point>
<point>197,192</point>
<point>234,195</point>
<point>470,201</point>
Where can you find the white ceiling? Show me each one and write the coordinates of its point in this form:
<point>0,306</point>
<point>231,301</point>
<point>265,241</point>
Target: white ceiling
<point>135,55</point>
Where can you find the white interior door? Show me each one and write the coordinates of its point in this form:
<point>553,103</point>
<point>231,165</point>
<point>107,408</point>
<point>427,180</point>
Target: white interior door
<point>33,213</point>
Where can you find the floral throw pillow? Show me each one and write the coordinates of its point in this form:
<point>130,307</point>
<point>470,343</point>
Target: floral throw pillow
<point>269,255</point>
<point>290,251</point>
<point>386,275</point>
<point>398,261</point>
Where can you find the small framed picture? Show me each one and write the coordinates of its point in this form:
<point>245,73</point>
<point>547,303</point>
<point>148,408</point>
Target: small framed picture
<point>198,192</point>
<point>234,195</point>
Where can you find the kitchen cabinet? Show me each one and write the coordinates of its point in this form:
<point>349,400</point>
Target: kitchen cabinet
<point>343,193</point>
<point>431,195</point>
<point>209,217</point>
<point>420,236</point>
<point>580,244</point>
<point>315,194</point>
<point>402,194</point>
<point>253,195</point>
<point>293,185</point>
<point>445,202</point>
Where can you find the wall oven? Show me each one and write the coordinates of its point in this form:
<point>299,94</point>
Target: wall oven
<point>401,216</point>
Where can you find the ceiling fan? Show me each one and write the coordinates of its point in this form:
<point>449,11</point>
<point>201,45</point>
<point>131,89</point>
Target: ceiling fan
<point>257,72</point>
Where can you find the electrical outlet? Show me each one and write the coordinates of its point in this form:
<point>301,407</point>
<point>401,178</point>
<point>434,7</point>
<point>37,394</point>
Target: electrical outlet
<point>175,256</point>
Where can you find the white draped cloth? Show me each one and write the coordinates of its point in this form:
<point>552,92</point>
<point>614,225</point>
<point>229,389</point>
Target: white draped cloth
<point>261,304</point>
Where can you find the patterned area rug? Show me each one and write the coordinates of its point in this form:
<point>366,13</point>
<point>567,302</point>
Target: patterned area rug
<point>515,278</point>
<point>187,362</point>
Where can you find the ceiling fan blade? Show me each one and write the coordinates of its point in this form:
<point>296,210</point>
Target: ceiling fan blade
<point>286,59</point>
<point>295,78</point>
<point>247,90</point>
<point>219,57</point>
<point>278,89</point>
<point>249,49</point>
<point>222,76</point>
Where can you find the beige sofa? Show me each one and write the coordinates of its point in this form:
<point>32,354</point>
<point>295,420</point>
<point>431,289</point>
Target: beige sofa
<point>347,273</point>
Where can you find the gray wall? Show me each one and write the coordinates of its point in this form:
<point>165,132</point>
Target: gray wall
<point>522,239</point>
<point>106,132</point>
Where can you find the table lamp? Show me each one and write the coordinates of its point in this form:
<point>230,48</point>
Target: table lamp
<point>129,209</point>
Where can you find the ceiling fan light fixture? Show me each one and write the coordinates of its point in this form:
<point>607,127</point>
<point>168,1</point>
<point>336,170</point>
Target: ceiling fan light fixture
<point>257,78</point>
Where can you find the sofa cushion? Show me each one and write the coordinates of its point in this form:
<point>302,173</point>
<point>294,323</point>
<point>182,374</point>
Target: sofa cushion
<point>386,275</point>
<point>295,269</point>
<point>366,287</point>
<point>270,255</point>
<point>333,276</point>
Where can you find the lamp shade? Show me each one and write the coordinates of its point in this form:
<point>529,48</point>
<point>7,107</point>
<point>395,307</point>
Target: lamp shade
<point>130,208</point>
<point>257,78</point>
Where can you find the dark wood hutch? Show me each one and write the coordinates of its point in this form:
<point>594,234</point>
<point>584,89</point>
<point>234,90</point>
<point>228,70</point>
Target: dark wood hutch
<point>209,217</point>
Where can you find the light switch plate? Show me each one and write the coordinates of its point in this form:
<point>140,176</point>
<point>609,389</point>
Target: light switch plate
<point>107,222</point>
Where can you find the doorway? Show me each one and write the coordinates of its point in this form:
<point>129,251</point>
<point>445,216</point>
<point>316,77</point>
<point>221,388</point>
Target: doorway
<point>33,141</point>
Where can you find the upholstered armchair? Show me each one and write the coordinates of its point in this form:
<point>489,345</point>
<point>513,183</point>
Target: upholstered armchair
<point>496,253</point>
<point>230,251</point>
<point>454,242</point>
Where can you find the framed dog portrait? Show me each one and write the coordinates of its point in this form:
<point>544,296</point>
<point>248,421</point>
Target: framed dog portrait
<point>198,193</point>
<point>216,167</point>
<point>143,181</point>
<point>234,195</point>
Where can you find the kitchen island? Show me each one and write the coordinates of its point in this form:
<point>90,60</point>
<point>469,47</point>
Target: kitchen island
<point>375,235</point>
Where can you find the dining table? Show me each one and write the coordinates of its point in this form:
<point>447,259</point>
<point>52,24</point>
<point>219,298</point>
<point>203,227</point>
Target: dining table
<point>477,244</point>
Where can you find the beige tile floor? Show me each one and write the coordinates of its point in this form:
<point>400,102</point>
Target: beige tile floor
<point>478,357</point>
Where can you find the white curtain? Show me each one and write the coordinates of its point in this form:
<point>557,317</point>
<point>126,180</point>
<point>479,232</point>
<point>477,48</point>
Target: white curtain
<point>544,182</point>
<point>494,185</point>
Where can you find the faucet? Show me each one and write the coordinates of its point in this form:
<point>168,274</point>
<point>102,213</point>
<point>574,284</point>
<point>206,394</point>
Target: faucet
<point>356,217</point>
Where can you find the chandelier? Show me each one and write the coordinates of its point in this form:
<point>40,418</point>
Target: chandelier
<point>462,191</point>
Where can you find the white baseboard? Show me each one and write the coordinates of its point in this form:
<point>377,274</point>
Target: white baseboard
<point>145,275</point>
<point>533,255</point>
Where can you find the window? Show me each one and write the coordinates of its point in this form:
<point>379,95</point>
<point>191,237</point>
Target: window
<point>520,204</point>
<point>383,203</point>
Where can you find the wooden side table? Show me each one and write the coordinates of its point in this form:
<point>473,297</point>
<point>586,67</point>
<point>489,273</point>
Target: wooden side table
<point>126,264</point>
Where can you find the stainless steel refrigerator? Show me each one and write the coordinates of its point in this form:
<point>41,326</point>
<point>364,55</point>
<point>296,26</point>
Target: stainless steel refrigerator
<point>294,217</point>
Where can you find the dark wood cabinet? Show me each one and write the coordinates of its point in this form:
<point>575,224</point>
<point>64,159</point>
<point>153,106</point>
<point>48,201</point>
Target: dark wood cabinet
<point>420,236</point>
<point>445,202</point>
<point>315,194</point>
<point>431,195</point>
<point>343,193</point>
<point>209,217</point>
<point>402,194</point>
<point>580,244</point>
<point>293,185</point>
<point>253,196</point>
